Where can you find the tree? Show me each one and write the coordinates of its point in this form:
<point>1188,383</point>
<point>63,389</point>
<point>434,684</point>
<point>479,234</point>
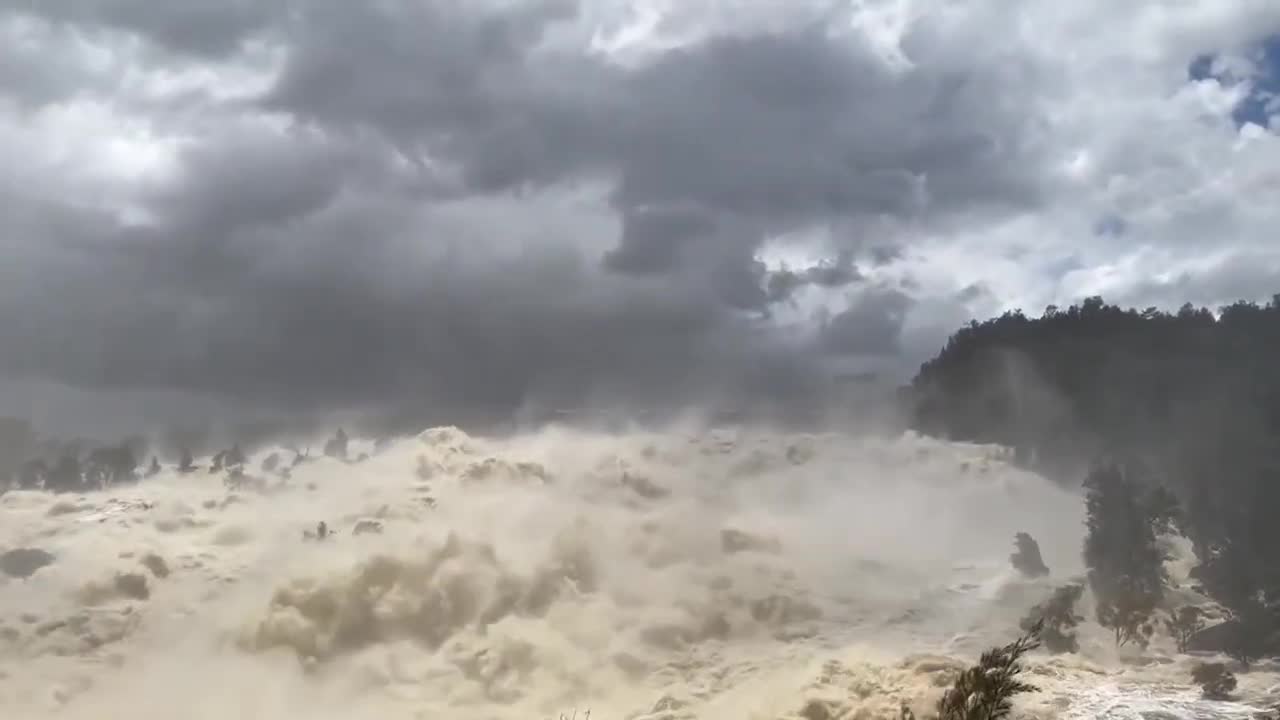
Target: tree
<point>271,462</point>
<point>113,465</point>
<point>1057,619</point>
<point>65,476</point>
<point>186,463</point>
<point>1126,568</point>
<point>32,474</point>
<point>17,440</point>
<point>336,447</point>
<point>1183,624</point>
<point>1252,624</point>
<point>1162,509</point>
<point>186,440</point>
<point>1215,680</point>
<point>1197,396</point>
<point>1238,573</point>
<point>986,690</point>
<point>1026,557</point>
<point>234,457</point>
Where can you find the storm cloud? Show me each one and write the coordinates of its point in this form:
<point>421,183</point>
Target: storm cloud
<point>469,210</point>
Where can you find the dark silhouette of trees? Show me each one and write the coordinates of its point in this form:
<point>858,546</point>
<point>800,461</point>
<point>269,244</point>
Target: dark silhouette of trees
<point>63,466</point>
<point>1096,378</point>
<point>1026,557</point>
<point>17,440</point>
<point>1189,400</point>
<point>336,446</point>
<point>65,475</point>
<point>1126,568</point>
<point>1215,680</point>
<point>32,474</point>
<point>114,465</point>
<point>1184,624</point>
<point>234,457</point>
<point>986,690</point>
<point>1162,510</point>
<point>1057,619</point>
<point>271,462</point>
<point>31,461</point>
<point>1251,629</point>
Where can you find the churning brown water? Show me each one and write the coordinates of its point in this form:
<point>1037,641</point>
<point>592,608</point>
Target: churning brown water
<point>726,574</point>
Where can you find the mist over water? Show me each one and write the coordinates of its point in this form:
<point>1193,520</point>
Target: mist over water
<point>684,574</point>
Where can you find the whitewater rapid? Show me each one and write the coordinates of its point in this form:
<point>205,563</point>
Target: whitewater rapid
<point>726,574</point>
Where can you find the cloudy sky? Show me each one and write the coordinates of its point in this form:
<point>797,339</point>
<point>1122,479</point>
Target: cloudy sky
<point>472,208</point>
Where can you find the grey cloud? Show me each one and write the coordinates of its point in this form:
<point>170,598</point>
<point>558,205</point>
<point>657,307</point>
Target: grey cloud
<point>885,254</point>
<point>335,262</point>
<point>871,325</point>
<point>451,75</point>
<point>34,77</point>
<point>1247,275</point>
<point>252,180</point>
<point>352,323</point>
<point>783,130</point>
<point>652,240</point>
<point>835,273</point>
<point>208,29</point>
<point>973,293</point>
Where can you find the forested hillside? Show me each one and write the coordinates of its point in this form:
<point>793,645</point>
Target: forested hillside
<point>1188,401</point>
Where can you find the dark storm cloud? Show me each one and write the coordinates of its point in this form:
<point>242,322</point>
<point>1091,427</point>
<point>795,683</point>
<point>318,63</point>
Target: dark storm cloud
<point>1239,275</point>
<point>320,261</point>
<point>235,184</point>
<point>781,129</point>
<point>653,240</point>
<point>872,325</point>
<point>835,273</point>
<point>32,77</point>
<point>208,29</point>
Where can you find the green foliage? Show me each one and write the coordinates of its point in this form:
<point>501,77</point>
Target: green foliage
<point>1129,618</point>
<point>1215,680</point>
<point>1183,624</point>
<point>1126,568</point>
<point>1057,619</point>
<point>986,690</point>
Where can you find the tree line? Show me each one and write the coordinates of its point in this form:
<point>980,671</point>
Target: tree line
<point>32,461</point>
<point>1172,423</point>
